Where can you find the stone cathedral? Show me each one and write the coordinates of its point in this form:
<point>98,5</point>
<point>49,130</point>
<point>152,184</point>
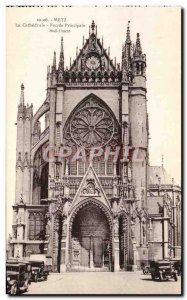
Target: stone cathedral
<point>101,214</point>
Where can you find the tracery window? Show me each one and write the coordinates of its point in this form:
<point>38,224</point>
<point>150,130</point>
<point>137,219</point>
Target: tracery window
<point>91,124</point>
<point>40,175</point>
<point>36,226</point>
<point>44,181</point>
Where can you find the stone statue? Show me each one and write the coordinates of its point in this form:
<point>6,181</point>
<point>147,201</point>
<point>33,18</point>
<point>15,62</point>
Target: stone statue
<point>116,226</point>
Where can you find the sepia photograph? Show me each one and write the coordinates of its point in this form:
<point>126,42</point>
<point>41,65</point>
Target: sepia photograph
<point>93,150</point>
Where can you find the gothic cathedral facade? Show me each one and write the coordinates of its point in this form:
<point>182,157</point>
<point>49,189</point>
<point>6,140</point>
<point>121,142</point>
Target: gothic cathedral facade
<point>86,213</point>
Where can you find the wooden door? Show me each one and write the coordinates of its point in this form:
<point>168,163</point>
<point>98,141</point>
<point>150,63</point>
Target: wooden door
<point>85,251</point>
<point>98,252</point>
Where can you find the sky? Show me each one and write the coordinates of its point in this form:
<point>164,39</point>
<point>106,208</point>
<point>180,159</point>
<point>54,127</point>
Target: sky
<point>30,49</point>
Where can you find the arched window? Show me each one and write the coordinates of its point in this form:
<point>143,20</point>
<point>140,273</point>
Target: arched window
<point>36,226</point>
<point>44,181</point>
<point>40,175</point>
<point>92,124</point>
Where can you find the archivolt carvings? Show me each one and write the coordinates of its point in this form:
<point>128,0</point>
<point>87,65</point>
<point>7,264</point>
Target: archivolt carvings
<point>92,125</point>
<point>87,202</point>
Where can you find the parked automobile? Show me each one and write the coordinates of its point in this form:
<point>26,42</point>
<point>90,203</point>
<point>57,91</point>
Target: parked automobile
<point>176,264</point>
<point>41,266</point>
<point>162,270</point>
<point>18,276</point>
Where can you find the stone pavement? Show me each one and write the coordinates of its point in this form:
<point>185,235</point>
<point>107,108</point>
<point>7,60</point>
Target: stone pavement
<point>104,283</point>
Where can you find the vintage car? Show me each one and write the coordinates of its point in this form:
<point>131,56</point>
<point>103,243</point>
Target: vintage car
<point>41,266</point>
<point>18,276</point>
<point>162,270</point>
<point>176,264</point>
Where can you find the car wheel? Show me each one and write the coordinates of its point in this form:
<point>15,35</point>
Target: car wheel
<point>14,289</point>
<point>26,285</point>
<point>159,278</point>
<point>153,277</point>
<point>175,277</point>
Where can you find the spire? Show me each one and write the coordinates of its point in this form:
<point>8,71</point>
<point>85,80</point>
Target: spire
<point>66,168</point>
<point>139,59</point>
<point>138,48</point>
<point>108,51</point>
<point>53,70</point>
<point>22,94</point>
<point>54,61</point>
<point>102,45</point>
<point>48,77</point>
<point>162,160</point>
<point>128,38</point>
<point>83,41</point>
<point>62,46</point>
<point>76,57</point>
<point>61,63</point>
<point>61,60</point>
<point>126,56</point>
<point>93,26</point>
<point>76,51</point>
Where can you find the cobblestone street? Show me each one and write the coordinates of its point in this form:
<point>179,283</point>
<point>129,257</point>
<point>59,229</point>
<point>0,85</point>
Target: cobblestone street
<point>104,283</point>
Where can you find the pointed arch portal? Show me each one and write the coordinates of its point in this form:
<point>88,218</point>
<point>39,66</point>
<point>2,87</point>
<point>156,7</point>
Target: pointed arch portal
<point>90,238</point>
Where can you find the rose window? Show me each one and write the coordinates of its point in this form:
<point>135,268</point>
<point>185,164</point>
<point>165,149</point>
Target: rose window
<point>92,126</point>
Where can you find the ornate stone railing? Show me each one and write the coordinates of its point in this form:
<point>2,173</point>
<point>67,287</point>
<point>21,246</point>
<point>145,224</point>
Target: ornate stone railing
<point>71,183</point>
<point>164,187</point>
<point>92,84</point>
<point>56,184</point>
<point>111,186</point>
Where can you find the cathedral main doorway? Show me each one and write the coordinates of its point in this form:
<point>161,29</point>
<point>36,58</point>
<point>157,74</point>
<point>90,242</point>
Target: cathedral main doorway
<point>90,240</point>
